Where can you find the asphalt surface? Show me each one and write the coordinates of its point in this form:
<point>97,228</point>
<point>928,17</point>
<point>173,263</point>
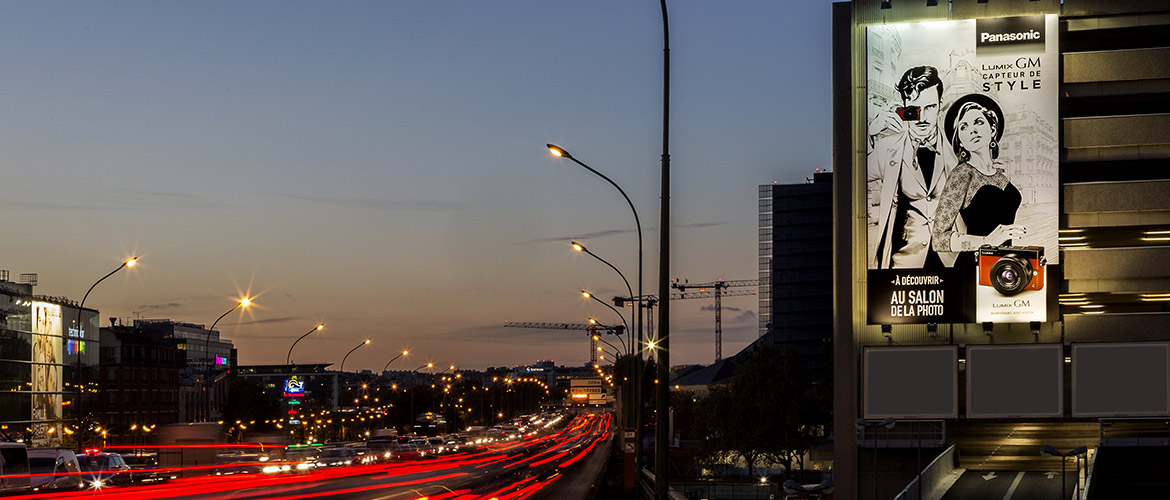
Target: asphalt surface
<point>1008,485</point>
<point>552,462</point>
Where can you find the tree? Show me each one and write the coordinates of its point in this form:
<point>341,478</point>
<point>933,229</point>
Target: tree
<point>775,409</point>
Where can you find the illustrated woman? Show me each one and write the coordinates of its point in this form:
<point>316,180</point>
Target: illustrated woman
<point>978,205</point>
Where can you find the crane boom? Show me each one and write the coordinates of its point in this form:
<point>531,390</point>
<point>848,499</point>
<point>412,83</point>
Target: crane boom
<point>568,326</point>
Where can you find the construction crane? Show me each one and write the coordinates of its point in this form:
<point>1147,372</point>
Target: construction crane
<point>592,328</point>
<point>703,290</point>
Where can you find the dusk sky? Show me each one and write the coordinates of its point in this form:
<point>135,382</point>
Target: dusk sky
<point>380,166</point>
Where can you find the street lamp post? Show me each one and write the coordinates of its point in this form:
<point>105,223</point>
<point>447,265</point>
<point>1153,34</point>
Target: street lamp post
<point>81,330</point>
<point>589,295</point>
<point>866,424</point>
<point>244,303</point>
<point>288,359</point>
<point>415,388</point>
<point>364,342</point>
<point>404,353</point>
<point>1048,451</point>
<point>557,151</point>
<point>661,449</point>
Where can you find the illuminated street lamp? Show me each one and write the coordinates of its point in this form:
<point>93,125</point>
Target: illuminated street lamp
<point>588,295</point>
<point>404,353</point>
<point>81,328</point>
<point>364,342</point>
<point>244,303</point>
<point>288,359</point>
<point>635,394</point>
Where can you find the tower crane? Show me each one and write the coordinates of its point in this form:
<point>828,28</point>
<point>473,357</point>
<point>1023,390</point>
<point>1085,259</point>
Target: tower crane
<point>589,327</point>
<point>703,290</point>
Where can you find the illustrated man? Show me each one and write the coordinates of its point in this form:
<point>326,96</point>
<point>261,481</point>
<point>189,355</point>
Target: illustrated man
<point>906,173</point>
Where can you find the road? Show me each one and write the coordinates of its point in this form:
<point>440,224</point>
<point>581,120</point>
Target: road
<point>513,470</point>
<point>1008,485</point>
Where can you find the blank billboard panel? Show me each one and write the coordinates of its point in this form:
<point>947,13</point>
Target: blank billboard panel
<point>1015,381</point>
<point>1121,380</point>
<point>910,382</point>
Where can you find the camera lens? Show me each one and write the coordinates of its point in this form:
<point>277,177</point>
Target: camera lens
<point>1011,274</point>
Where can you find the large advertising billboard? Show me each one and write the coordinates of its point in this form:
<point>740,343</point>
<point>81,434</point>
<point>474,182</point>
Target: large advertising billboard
<point>961,170</point>
<point>46,362</point>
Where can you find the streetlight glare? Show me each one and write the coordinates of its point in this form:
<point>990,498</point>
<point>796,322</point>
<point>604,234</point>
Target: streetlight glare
<point>405,353</point>
<point>245,302</point>
<point>578,247</point>
<point>368,341</point>
<point>321,326</point>
<point>586,294</point>
<point>131,261</point>
<point>557,151</point>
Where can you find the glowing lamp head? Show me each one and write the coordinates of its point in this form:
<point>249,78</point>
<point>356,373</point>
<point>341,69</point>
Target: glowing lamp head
<point>367,341</point>
<point>245,302</point>
<point>557,151</point>
<point>578,247</point>
<point>405,353</point>
<point>321,326</point>
<point>131,262</point>
<point>586,294</point>
<point>592,321</point>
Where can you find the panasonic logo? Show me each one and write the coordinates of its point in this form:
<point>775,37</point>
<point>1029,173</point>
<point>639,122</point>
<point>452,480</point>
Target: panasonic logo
<point>1010,37</point>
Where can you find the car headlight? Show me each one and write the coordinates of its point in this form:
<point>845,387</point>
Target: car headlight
<point>271,469</point>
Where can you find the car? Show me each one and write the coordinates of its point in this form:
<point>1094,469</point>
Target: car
<point>144,467</point>
<point>332,456</point>
<point>100,469</point>
<point>53,469</point>
<point>13,467</point>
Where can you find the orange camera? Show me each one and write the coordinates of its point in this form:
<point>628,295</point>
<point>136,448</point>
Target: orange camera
<point>1011,270</point>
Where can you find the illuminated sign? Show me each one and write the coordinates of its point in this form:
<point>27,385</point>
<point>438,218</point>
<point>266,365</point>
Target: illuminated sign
<point>220,361</point>
<point>962,170</point>
<point>294,387</point>
<point>47,362</point>
<point>294,422</point>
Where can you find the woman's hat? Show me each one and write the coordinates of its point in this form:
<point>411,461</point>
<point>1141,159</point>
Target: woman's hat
<point>982,100</point>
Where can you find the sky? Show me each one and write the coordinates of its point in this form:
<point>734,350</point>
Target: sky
<point>380,166</point>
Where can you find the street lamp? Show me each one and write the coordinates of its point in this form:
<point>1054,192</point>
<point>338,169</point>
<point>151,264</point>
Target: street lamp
<point>588,295</point>
<point>1048,451</point>
<point>81,329</point>
<point>364,342</point>
<point>404,353</point>
<point>288,359</point>
<point>244,303</point>
<point>866,424</point>
<point>559,152</point>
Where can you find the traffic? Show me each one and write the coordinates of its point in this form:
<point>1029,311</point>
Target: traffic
<point>509,461</point>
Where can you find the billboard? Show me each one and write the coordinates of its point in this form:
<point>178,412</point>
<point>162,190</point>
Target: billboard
<point>962,157</point>
<point>46,362</point>
<point>910,382</point>
<point>1121,380</point>
<point>1007,381</point>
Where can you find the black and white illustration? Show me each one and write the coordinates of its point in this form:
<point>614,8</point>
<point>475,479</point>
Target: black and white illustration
<point>961,169</point>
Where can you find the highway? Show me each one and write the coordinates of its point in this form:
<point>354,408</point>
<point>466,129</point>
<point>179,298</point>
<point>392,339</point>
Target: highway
<point>516,469</point>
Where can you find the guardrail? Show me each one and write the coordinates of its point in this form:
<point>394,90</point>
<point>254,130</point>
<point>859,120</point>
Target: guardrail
<point>939,470</point>
<point>647,487</point>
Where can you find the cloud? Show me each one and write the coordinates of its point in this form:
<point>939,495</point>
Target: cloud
<point>264,321</point>
<point>158,307</point>
<point>611,232</point>
<point>381,204</point>
<point>747,316</point>
<point>711,307</point>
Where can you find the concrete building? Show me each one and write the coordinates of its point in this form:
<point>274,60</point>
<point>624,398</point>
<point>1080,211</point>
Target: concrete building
<point>206,363</point>
<point>1095,358</point>
<point>139,379</point>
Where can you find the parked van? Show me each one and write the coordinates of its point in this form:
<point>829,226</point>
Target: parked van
<point>53,469</point>
<point>13,467</point>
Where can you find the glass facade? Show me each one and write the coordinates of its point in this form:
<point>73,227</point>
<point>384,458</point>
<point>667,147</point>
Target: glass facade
<point>48,349</point>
